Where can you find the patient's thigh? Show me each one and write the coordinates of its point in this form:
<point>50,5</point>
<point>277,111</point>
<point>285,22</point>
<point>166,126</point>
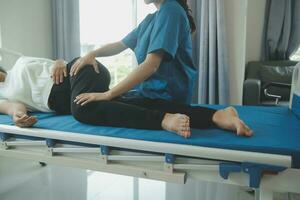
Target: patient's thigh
<point>87,80</point>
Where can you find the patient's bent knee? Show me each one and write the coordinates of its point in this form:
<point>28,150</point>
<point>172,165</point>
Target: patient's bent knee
<point>81,113</point>
<point>92,113</point>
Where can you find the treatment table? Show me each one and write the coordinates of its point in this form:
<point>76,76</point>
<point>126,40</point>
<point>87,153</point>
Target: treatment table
<point>268,162</point>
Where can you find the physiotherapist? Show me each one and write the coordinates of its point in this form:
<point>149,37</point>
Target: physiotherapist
<point>163,48</point>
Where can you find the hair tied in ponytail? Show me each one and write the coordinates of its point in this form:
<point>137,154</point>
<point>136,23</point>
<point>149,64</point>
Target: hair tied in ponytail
<point>188,11</point>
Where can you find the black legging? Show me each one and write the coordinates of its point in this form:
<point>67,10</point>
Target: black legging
<point>60,98</point>
<point>141,113</point>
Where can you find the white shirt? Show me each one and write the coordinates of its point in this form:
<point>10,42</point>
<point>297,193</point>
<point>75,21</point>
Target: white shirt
<point>29,82</point>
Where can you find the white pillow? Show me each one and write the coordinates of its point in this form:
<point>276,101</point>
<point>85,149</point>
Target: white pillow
<point>8,58</point>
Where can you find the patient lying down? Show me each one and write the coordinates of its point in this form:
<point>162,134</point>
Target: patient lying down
<point>36,84</point>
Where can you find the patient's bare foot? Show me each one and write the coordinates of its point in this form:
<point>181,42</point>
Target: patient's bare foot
<point>228,119</point>
<point>177,123</point>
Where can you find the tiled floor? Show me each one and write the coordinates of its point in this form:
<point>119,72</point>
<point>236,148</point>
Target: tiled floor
<point>28,180</point>
<point>22,180</point>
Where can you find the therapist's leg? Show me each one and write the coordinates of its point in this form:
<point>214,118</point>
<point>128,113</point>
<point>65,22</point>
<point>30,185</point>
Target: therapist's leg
<point>200,117</point>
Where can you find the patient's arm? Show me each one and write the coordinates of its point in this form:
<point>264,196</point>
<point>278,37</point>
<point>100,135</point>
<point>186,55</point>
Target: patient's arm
<point>18,112</point>
<point>89,59</point>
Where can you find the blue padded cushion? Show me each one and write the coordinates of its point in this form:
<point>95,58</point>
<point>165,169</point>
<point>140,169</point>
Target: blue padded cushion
<point>276,131</point>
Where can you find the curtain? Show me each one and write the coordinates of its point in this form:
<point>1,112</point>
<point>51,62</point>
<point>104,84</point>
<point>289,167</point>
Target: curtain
<point>210,54</point>
<point>281,29</point>
<point>66,31</point>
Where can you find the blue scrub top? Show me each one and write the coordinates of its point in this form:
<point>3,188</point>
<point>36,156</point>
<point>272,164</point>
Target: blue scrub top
<point>166,30</point>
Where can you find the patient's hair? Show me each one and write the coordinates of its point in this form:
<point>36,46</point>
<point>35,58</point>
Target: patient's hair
<point>188,11</point>
<point>2,70</point>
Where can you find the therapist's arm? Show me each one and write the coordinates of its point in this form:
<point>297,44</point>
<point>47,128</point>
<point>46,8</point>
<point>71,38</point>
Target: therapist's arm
<point>104,51</point>
<point>138,75</point>
<point>109,49</point>
<point>18,112</point>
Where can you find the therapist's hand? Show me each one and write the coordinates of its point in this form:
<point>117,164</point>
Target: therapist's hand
<point>86,98</point>
<point>88,59</point>
<point>59,71</point>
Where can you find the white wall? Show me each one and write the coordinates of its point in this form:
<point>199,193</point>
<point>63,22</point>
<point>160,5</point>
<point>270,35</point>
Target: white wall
<point>255,24</point>
<point>26,26</point>
<point>244,23</point>
<point>236,18</point>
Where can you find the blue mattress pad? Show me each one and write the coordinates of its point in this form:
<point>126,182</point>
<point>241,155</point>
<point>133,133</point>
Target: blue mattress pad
<point>276,131</point>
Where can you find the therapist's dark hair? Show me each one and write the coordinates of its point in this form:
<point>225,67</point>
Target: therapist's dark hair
<point>188,11</point>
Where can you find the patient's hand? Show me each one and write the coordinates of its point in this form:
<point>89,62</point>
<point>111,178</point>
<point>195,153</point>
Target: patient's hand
<point>23,120</point>
<point>59,71</point>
